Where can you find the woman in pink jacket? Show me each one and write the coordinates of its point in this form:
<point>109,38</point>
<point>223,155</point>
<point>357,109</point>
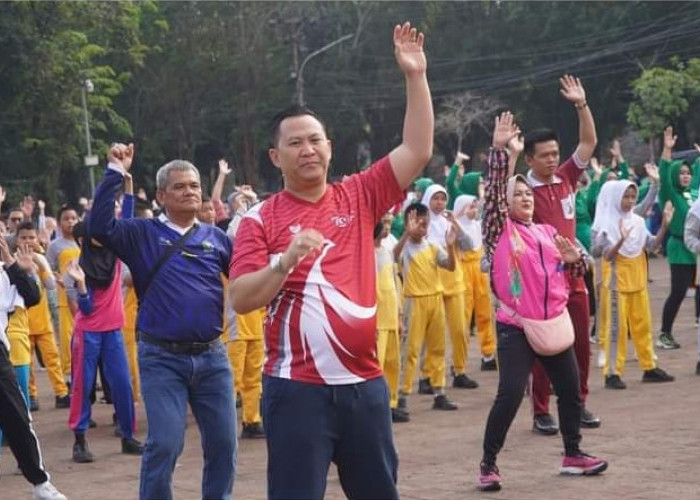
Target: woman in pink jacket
<point>528,264</point>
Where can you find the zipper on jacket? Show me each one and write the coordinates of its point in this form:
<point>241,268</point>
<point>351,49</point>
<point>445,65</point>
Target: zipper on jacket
<point>546,280</point>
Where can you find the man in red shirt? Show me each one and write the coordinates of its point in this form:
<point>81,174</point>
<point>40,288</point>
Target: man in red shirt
<point>308,254</point>
<point>554,188</point>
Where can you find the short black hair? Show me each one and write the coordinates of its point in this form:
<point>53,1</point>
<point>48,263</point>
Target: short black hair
<point>205,198</point>
<point>289,112</point>
<point>378,229</point>
<point>534,137</point>
<point>26,225</point>
<point>420,209</point>
<point>65,208</point>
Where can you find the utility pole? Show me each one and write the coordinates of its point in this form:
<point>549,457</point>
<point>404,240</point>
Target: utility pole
<point>89,160</point>
<point>300,75</point>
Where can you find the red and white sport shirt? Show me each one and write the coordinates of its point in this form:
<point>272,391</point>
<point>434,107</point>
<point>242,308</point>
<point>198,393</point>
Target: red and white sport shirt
<point>321,327</point>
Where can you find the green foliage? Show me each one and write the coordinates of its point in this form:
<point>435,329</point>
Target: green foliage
<point>201,80</point>
<point>662,96</point>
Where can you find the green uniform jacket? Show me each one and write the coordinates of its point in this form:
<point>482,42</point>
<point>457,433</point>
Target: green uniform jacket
<point>583,219</point>
<point>681,198</point>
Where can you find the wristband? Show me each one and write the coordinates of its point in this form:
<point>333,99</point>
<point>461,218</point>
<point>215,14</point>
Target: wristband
<point>581,106</point>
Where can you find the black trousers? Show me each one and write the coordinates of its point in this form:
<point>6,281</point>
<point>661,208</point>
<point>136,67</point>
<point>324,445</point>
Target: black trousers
<point>16,423</point>
<point>682,276</point>
<point>515,359</point>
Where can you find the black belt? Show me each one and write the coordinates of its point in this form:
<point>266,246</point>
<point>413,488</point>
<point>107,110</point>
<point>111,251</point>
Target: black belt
<point>192,348</point>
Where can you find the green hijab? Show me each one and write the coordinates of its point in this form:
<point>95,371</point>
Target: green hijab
<point>470,183</point>
<point>421,184</point>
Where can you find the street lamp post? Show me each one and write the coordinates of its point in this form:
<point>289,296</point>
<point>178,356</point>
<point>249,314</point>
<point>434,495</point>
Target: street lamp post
<point>300,75</point>
<point>89,160</point>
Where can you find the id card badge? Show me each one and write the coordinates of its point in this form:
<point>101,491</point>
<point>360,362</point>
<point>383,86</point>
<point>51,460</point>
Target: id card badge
<point>568,207</point>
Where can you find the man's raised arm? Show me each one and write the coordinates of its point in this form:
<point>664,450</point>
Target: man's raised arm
<point>573,91</point>
<point>103,225</point>
<point>416,149</point>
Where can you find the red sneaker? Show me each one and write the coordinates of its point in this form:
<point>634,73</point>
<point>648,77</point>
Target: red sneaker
<point>583,465</point>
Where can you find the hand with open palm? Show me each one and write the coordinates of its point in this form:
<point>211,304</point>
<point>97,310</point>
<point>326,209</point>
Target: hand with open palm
<point>408,49</point>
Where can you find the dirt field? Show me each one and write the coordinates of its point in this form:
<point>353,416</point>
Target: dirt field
<point>649,434</point>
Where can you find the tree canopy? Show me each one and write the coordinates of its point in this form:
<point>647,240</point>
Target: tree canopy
<point>201,80</point>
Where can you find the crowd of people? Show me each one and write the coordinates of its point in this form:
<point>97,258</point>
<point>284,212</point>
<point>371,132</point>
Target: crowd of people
<point>288,309</point>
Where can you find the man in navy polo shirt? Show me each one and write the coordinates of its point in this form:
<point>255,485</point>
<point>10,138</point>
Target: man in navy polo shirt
<point>181,359</point>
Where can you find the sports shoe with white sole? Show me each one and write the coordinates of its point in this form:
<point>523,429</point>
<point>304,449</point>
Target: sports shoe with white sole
<point>582,465</point>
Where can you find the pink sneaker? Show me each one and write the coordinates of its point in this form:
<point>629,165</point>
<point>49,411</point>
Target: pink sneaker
<point>583,465</point>
<point>489,478</point>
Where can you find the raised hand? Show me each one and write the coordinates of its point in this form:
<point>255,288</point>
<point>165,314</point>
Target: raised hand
<point>567,250</point>
<point>616,151</point>
<point>516,144</point>
<point>451,236</point>
<point>597,168</point>
<point>408,49</point>
<point>572,90</point>
<point>122,155</point>
<point>76,272</point>
<point>652,171</point>
<point>669,138</point>
<point>624,232</point>
<point>42,206</point>
<point>668,213</point>
<point>411,222</point>
<point>5,254</point>
<point>460,158</point>
<point>504,130</point>
<point>224,169</point>
<point>3,195</point>
<point>27,206</point>
<point>25,258</point>
<point>695,145</point>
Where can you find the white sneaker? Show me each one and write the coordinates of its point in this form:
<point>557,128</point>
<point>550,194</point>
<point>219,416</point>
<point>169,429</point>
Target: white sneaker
<point>47,491</point>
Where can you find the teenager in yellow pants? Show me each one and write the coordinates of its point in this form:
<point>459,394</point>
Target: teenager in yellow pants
<point>423,307</point>
<point>388,321</point>
<point>131,305</point>
<point>60,253</point>
<point>246,354</point>
<point>39,324</point>
<point>622,239</point>
<point>477,297</point>
<point>41,337</point>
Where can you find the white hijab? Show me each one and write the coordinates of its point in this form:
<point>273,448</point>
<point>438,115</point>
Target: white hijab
<point>471,227</point>
<point>608,213</point>
<point>439,225</point>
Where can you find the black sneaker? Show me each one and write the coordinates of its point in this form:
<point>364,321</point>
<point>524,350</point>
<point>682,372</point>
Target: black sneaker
<point>402,405</point>
<point>614,382</point>
<point>657,375</point>
<point>544,424</point>
<point>424,386</point>
<point>63,401</point>
<point>253,431</point>
<point>489,365</point>
<point>588,420</point>
<point>463,382</point>
<point>442,403</point>
<point>399,416</point>
<point>81,453</point>
<point>33,404</point>
<point>132,447</point>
